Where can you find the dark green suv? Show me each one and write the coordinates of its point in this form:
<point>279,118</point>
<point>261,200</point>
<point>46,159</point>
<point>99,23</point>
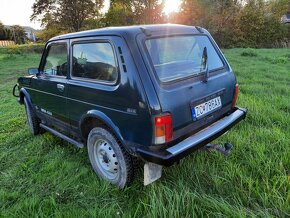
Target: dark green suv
<point>156,93</point>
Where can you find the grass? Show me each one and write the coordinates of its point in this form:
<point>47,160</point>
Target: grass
<point>45,176</point>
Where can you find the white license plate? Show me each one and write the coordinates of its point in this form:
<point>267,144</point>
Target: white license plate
<point>206,107</point>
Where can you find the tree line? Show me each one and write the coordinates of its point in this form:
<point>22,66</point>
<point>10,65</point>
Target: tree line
<point>15,33</point>
<point>233,23</point>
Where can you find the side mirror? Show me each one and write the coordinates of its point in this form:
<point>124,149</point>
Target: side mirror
<point>33,71</point>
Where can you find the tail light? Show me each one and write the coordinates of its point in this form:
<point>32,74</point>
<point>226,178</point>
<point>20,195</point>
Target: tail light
<point>163,129</point>
<point>236,95</point>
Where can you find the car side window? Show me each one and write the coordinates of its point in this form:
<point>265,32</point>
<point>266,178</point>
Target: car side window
<point>94,61</point>
<point>56,60</point>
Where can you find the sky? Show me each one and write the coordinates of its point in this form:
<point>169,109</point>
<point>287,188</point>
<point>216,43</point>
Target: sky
<point>14,12</point>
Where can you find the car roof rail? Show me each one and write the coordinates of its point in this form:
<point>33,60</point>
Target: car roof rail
<point>199,29</point>
<point>146,31</point>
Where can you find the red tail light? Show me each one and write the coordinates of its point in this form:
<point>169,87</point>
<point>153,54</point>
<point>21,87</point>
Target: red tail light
<point>236,95</point>
<point>163,129</point>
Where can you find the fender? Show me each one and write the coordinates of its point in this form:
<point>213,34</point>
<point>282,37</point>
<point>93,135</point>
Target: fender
<point>106,120</point>
<point>23,93</point>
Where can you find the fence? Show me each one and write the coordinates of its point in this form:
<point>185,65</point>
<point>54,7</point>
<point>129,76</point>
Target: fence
<point>4,43</point>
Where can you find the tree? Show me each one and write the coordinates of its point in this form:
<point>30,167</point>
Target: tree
<point>47,33</point>
<point>218,16</point>
<point>191,13</point>
<point>66,15</point>
<point>223,20</point>
<point>129,12</point>
<point>120,13</point>
<point>2,31</point>
<point>17,34</point>
<point>148,11</point>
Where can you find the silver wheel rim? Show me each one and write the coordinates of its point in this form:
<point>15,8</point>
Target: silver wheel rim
<point>106,159</point>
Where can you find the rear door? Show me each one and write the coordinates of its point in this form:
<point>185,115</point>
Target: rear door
<point>178,73</point>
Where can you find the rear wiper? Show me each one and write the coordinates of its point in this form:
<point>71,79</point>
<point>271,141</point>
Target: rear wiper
<point>204,65</point>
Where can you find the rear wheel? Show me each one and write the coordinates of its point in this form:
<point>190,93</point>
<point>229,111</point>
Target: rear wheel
<point>32,119</point>
<point>109,159</point>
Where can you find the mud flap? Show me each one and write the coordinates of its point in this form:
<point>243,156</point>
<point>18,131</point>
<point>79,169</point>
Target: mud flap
<point>152,172</point>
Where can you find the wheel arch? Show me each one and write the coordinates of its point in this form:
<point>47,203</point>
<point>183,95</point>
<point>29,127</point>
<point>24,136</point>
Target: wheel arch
<point>95,118</point>
<point>23,93</point>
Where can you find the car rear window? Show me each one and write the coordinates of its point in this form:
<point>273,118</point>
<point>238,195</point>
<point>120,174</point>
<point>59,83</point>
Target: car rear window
<point>94,61</point>
<point>179,57</point>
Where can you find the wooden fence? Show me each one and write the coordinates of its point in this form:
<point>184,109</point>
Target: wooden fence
<point>4,43</point>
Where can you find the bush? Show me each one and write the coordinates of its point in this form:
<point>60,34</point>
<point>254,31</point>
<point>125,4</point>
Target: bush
<point>277,60</point>
<point>249,52</point>
<point>13,49</point>
<point>20,49</point>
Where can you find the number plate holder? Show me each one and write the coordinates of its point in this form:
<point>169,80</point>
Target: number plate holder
<point>206,105</point>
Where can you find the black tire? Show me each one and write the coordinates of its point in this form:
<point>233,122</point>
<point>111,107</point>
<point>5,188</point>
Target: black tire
<point>32,119</point>
<point>109,159</point>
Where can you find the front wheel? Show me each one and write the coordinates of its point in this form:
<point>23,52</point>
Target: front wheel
<point>32,119</point>
<point>109,159</point>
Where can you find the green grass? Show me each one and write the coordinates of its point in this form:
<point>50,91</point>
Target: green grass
<point>45,176</point>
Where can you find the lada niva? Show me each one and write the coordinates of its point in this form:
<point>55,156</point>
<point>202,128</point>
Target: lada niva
<point>154,92</point>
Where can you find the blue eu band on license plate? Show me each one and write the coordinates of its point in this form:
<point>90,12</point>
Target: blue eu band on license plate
<point>205,108</point>
<point>193,113</point>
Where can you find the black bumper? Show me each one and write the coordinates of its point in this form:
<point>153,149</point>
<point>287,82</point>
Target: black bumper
<point>176,152</point>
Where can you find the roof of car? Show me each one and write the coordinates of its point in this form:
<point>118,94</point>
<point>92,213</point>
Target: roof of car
<point>130,30</point>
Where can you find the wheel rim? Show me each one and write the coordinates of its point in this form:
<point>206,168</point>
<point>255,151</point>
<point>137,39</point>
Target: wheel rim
<point>106,159</point>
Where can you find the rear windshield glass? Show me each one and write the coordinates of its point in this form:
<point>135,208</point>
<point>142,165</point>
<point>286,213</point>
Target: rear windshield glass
<point>181,56</point>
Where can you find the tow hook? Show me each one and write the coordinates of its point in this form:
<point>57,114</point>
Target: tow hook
<point>153,172</point>
<point>225,149</point>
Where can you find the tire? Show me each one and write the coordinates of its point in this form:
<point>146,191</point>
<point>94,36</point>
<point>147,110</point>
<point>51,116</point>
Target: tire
<point>109,159</point>
<point>32,119</point>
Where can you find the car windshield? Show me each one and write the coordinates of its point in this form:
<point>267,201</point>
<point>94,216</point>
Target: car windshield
<point>178,57</point>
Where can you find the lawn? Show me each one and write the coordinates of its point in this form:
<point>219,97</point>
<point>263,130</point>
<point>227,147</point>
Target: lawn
<point>45,176</point>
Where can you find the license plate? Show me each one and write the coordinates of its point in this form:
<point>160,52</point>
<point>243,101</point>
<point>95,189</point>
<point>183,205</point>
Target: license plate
<point>206,107</point>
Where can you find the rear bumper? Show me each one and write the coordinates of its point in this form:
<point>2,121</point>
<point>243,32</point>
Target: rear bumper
<point>176,152</point>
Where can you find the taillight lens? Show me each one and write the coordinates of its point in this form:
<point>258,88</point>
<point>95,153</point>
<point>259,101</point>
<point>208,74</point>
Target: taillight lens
<point>236,95</point>
<point>163,129</point>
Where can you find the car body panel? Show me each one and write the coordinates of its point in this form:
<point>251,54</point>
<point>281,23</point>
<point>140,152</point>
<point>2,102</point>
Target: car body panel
<point>120,102</point>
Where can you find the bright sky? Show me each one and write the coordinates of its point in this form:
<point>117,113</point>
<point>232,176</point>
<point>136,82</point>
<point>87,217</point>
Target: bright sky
<point>18,12</point>
<point>14,12</point>
<point>170,6</point>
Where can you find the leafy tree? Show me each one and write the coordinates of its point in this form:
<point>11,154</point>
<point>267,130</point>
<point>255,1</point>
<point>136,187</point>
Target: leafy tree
<point>2,32</point>
<point>129,12</point>
<point>17,34</point>
<point>218,16</point>
<point>47,33</point>
<point>233,23</point>
<point>191,13</point>
<point>148,11</point>
<point>119,14</point>
<point>223,20</point>
<point>259,23</point>
<point>68,15</point>
<point>278,8</point>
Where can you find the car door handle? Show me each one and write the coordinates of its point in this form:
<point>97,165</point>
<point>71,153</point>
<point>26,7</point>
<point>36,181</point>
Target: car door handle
<point>60,87</point>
